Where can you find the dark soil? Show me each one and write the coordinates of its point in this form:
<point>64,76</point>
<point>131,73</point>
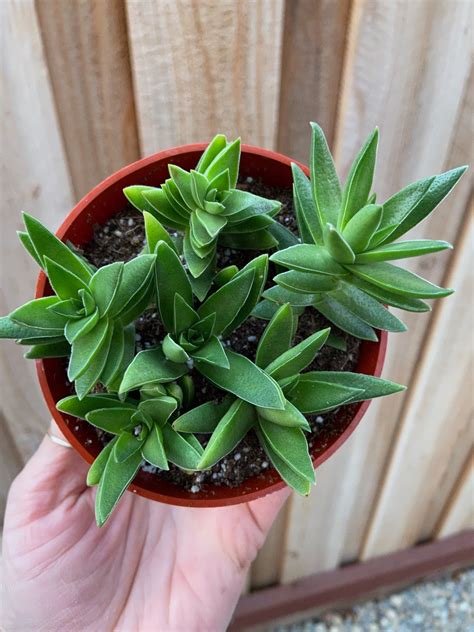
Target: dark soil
<point>122,238</point>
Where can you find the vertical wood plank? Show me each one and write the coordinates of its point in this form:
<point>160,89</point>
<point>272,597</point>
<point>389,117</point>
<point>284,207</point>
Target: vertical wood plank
<point>205,67</point>
<point>436,430</point>
<point>34,178</point>
<point>314,37</point>
<point>266,568</point>
<point>399,40</point>
<point>459,512</point>
<point>86,50</point>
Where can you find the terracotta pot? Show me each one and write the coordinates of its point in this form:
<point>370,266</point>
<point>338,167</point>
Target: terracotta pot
<point>104,201</point>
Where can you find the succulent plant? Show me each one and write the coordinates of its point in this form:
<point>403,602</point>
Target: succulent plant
<point>90,314</point>
<point>205,205</point>
<point>281,431</point>
<point>342,268</point>
<point>141,431</point>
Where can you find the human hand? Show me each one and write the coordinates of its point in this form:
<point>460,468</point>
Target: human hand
<point>152,567</point>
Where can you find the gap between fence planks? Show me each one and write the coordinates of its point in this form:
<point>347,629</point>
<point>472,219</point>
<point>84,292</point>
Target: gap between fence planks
<point>86,48</point>
<point>337,512</point>
<point>314,38</point>
<point>459,511</point>
<point>35,179</point>
<point>436,430</point>
<point>205,67</point>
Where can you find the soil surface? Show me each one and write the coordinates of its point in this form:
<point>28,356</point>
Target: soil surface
<point>121,239</point>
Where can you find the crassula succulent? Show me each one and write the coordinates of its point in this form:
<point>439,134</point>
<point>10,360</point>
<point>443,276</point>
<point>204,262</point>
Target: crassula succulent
<point>145,401</point>
<point>341,267</point>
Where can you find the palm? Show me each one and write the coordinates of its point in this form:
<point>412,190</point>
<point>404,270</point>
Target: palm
<point>152,567</point>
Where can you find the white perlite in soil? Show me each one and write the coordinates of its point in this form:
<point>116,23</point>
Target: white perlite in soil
<point>444,605</point>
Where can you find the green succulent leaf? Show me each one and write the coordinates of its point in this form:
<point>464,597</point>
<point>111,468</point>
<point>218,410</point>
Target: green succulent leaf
<point>203,419</point>
<point>227,301</point>
<point>300,484</point>
<point>36,314</point>
<point>307,216</point>
<point>261,240</point>
<point>133,291</point>
<point>245,380</point>
<point>171,279</point>
<point>259,266</point>
<point>179,451</point>
<point>86,348</point>
<point>265,310</point>
<point>28,245</point>
<point>76,329</point>
<point>165,204</point>
<point>367,308</point>
<point>58,349</point>
<point>65,284</point>
<point>290,445</point>
<point>70,308</point>
<point>337,246</point>
<point>75,407</point>
<point>369,386</point>
<point>298,357</point>
<point>398,280</point>
<point>115,479</point>
<point>359,181</point>
<point>153,449</point>
<point>155,232</point>
<point>214,148</point>
<point>402,250</point>
<point>126,445</point>
<point>334,311</point>
<point>213,353</point>
<point>290,417</point>
<point>324,180</point>
<point>389,298</point>
<point>361,228</point>
<point>89,378</point>
<point>197,265</point>
<point>311,396</point>
<point>419,204</point>
<point>115,357</point>
<point>113,420</point>
<point>306,283</point>
<point>150,366</point>
<point>227,159</point>
<point>45,243</point>
<point>13,330</point>
<point>230,430</point>
<point>308,258</point>
<point>184,315</point>
<point>159,409</point>
<point>253,224</point>
<point>105,284</point>
<point>277,336</point>
<point>296,298</point>
<point>97,468</point>
<point>173,351</point>
<point>242,205</point>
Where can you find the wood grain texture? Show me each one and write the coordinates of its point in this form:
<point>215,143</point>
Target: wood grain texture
<point>86,49</point>
<point>388,40</point>
<point>34,178</point>
<point>459,511</point>
<point>266,567</point>
<point>205,67</point>
<point>425,464</point>
<point>314,38</point>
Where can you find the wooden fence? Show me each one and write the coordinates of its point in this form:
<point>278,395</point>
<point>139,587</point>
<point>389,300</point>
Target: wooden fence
<point>91,85</point>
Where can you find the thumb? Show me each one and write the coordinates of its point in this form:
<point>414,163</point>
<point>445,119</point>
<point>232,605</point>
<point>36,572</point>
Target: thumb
<point>53,473</point>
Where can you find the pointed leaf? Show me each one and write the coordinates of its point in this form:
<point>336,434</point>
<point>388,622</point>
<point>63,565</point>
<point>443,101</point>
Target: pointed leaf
<point>213,353</point>
<point>173,351</point>
<point>403,250</point>
<point>310,223</point>
<point>36,314</point>
<point>115,479</point>
<point>153,450</point>
<point>179,451</point>
<point>203,419</point>
<point>306,283</point>
<point>182,180</point>
<point>337,246</point>
<point>28,245</point>
<point>126,445</point>
<point>291,478</point>
<point>261,240</point>
<point>308,258</point>
<point>68,308</point>
<point>45,243</point>
<point>115,356</point>
<point>389,298</point>
<point>64,283</point>
<point>245,380</point>
<point>10,329</point>
<point>155,202</point>
<point>298,357</point>
<point>282,295</point>
<point>76,329</point>
<point>171,278</point>
<point>89,378</point>
<point>398,280</point>
<point>150,366</point>
<point>227,158</point>
<point>359,180</point>
<point>97,468</point>
<point>221,182</point>
<point>344,319</point>
<point>159,410</point>
<point>229,432</point>
<point>112,420</point>
<point>184,315</point>
<point>104,285</point>
<point>324,180</point>
<point>276,338</point>
<point>155,232</point>
<point>217,144</point>
<point>199,186</point>
<point>318,396</point>
<point>60,349</point>
<point>360,229</point>
<point>135,282</point>
<point>369,385</point>
<point>290,417</point>
<point>227,300</point>
<point>291,446</point>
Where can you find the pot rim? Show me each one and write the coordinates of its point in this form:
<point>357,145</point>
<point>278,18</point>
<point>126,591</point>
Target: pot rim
<point>206,501</point>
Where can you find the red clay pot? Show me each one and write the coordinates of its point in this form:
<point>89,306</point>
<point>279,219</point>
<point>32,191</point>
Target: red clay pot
<point>104,201</point>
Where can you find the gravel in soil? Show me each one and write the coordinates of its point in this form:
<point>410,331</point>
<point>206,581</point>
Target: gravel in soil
<point>122,238</point>
<point>444,605</point>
